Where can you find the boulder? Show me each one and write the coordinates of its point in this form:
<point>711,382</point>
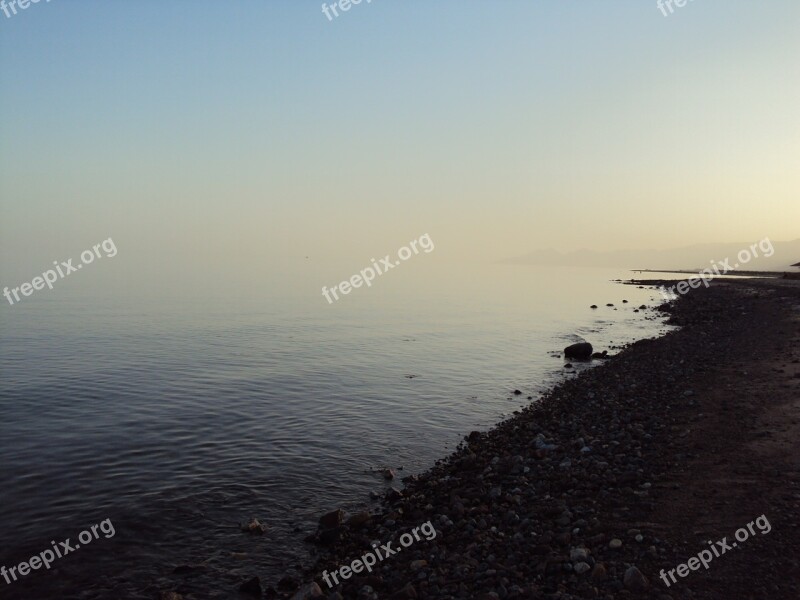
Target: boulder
<point>580,351</point>
<point>254,526</point>
<point>359,519</point>
<point>251,587</point>
<point>393,494</point>
<point>332,520</point>
<point>634,580</point>
<point>406,593</point>
<point>310,590</point>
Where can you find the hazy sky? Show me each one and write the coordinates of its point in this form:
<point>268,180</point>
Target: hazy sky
<point>230,134</point>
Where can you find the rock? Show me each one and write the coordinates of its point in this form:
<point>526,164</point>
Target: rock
<point>580,351</point>
<point>615,544</point>
<point>609,304</point>
<point>517,393</point>
<point>624,301</point>
<point>331,536</point>
<point>634,580</point>
<point>642,307</point>
<point>407,593</point>
<point>393,494</point>
<point>288,583</point>
<point>171,596</point>
<point>599,572</point>
<point>332,520</point>
<point>309,590</point>
<point>593,306</point>
<point>359,519</point>
<point>186,569</point>
<point>389,474</point>
<point>581,568</point>
<point>578,554</point>
<point>416,565</point>
<point>254,527</point>
<point>251,587</point>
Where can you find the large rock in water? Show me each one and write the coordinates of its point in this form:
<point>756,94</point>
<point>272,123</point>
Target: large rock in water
<point>582,351</point>
<point>332,520</point>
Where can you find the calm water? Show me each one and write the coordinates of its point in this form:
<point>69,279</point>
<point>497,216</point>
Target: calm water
<point>177,417</point>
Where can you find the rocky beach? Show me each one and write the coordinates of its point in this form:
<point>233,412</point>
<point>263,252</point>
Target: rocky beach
<point>626,470</point>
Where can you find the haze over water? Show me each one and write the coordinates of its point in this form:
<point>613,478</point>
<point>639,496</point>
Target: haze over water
<point>242,155</point>
<point>180,418</point>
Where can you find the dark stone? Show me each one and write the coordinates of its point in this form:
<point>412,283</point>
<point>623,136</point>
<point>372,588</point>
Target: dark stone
<point>330,536</point>
<point>581,351</point>
<point>332,519</point>
<point>287,583</point>
<point>359,520</point>
<point>251,587</point>
<point>186,569</point>
<point>407,593</point>
<point>393,494</point>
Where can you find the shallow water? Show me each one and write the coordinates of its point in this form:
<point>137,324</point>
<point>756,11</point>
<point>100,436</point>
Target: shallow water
<point>179,417</point>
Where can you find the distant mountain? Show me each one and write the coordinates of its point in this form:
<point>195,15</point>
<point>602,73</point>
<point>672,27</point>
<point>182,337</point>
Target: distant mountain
<point>699,256</point>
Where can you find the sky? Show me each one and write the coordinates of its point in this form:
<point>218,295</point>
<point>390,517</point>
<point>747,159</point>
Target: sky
<point>242,135</point>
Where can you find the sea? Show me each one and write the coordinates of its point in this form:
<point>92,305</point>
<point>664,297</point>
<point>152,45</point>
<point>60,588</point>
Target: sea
<point>179,416</point>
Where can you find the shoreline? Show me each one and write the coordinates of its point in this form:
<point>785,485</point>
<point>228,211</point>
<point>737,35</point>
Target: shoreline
<point>564,498</point>
<point>695,272</point>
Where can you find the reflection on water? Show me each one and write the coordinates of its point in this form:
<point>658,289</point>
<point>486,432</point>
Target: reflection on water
<point>177,418</point>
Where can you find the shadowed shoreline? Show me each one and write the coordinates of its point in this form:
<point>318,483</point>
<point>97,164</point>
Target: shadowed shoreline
<point>617,474</point>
